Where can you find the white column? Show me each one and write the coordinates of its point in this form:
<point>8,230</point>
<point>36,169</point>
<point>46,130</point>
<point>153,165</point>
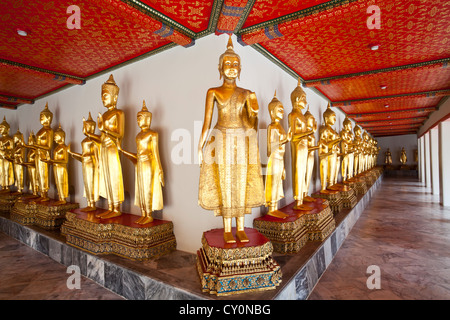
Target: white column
<point>434,160</point>
<point>427,158</point>
<point>419,165</point>
<point>422,159</point>
<point>444,163</point>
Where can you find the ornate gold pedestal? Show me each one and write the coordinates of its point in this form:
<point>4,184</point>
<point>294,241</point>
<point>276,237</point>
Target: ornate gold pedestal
<point>334,199</point>
<point>48,214</point>
<point>359,185</point>
<point>7,200</point>
<point>120,236</point>
<point>289,235</point>
<point>319,222</point>
<point>348,195</point>
<point>226,269</point>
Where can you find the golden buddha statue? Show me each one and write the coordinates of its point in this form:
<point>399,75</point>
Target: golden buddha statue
<point>149,173</point>
<point>90,164</point>
<point>230,175</point>
<point>403,157</point>
<point>311,124</point>
<point>31,166</point>
<point>6,166</point>
<point>347,150</point>
<point>328,150</point>
<point>298,135</point>
<point>276,173</point>
<point>59,162</point>
<point>365,150</point>
<point>43,146</point>
<point>112,126</point>
<point>358,144</point>
<point>19,159</point>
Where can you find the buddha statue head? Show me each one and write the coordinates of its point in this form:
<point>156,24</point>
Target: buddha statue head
<point>46,116</point>
<point>229,63</point>
<point>298,96</point>
<point>276,109</point>
<point>59,135</point>
<point>4,127</point>
<point>329,117</point>
<point>89,124</point>
<point>32,139</point>
<point>144,117</point>
<point>110,93</point>
<point>347,124</point>
<point>357,131</point>
<point>311,122</point>
<point>18,138</point>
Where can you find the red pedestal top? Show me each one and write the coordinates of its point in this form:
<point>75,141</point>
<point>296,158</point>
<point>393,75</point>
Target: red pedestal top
<point>125,219</point>
<point>317,206</point>
<point>214,238</point>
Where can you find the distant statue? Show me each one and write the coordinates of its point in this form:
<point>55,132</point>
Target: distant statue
<point>403,158</point>
<point>388,157</point>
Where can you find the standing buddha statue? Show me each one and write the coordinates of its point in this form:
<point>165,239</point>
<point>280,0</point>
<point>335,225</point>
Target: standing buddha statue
<point>276,173</point>
<point>298,134</point>
<point>6,166</point>
<point>328,151</point>
<point>149,177</point>
<point>19,159</point>
<point>89,162</point>
<point>230,175</point>
<point>112,127</point>
<point>347,150</point>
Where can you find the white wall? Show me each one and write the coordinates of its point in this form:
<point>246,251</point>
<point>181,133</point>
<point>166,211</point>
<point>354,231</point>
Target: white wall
<point>395,144</point>
<point>174,85</point>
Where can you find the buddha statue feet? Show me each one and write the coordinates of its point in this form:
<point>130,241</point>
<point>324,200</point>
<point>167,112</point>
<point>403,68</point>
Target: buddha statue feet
<point>242,237</point>
<point>144,219</point>
<point>88,209</point>
<point>300,206</point>
<point>109,214</point>
<point>278,214</point>
<point>228,237</point>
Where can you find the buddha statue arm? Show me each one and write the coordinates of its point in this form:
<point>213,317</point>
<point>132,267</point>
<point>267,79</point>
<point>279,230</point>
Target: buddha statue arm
<point>209,105</point>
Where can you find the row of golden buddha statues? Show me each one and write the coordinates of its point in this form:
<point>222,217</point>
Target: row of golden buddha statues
<point>231,181</point>
<point>403,157</point>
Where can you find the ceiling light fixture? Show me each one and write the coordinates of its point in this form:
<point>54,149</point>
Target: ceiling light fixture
<point>386,106</point>
<point>383,87</point>
<point>22,32</point>
<point>374,46</point>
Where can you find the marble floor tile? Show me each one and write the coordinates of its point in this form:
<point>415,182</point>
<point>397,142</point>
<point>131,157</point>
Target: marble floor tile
<point>405,232</point>
<point>26,274</point>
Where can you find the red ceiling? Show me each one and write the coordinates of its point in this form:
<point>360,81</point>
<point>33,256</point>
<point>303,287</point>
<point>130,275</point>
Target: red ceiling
<point>324,43</point>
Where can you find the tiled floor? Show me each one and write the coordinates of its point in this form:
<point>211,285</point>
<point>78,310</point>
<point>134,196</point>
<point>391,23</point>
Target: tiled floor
<point>26,274</point>
<point>403,231</point>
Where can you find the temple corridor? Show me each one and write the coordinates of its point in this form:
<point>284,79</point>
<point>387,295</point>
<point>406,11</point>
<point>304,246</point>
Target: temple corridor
<point>404,232</point>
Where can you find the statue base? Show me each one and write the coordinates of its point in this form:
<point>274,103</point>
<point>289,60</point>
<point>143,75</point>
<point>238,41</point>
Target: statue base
<point>289,235</point>
<point>7,201</point>
<point>359,185</point>
<point>333,197</point>
<point>348,195</point>
<point>226,269</point>
<point>120,235</point>
<point>45,214</point>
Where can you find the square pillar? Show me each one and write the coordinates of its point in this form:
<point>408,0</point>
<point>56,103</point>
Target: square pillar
<point>444,163</point>
<point>434,160</point>
<point>427,158</point>
<point>419,165</point>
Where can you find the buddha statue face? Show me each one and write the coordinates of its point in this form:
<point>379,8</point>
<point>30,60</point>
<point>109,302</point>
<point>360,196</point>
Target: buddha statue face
<point>231,67</point>
<point>311,122</point>
<point>144,120</point>
<point>59,136</point>
<point>31,139</point>
<point>329,118</point>
<point>276,109</point>
<point>18,138</point>
<point>4,127</point>
<point>89,126</point>
<point>347,124</point>
<point>357,131</point>
<point>110,93</point>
